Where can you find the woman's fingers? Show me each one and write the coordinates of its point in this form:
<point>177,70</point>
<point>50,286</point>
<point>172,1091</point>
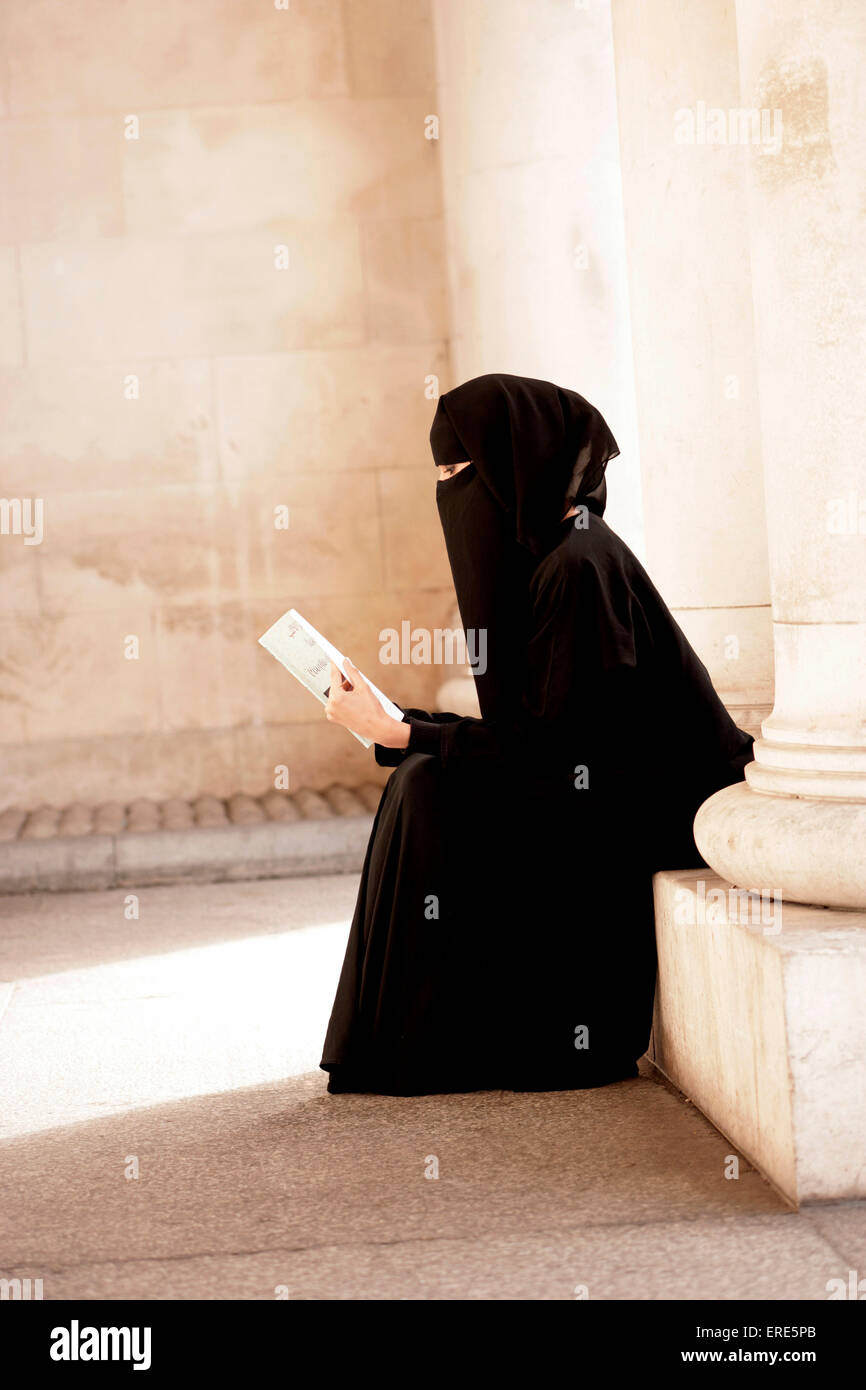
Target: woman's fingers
<point>354,674</point>
<point>339,679</point>
<point>352,703</point>
<point>344,691</point>
<point>363,694</point>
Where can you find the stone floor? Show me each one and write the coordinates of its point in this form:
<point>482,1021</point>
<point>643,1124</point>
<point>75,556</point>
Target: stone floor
<point>181,1044</point>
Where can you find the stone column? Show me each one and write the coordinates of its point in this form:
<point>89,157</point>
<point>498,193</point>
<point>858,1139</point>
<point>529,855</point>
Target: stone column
<point>526,97</point>
<point>762,966</point>
<point>687,238</point>
<point>798,825</point>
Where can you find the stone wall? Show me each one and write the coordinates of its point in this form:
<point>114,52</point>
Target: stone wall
<point>165,386</point>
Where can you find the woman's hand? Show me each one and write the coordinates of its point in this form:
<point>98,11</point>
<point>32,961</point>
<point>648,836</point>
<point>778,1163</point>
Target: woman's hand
<point>352,703</point>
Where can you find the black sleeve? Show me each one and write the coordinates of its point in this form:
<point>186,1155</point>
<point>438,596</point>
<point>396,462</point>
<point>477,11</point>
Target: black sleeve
<point>392,757</point>
<point>580,655</point>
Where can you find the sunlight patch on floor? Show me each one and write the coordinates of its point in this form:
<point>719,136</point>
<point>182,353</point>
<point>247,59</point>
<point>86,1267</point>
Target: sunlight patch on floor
<point>127,1034</point>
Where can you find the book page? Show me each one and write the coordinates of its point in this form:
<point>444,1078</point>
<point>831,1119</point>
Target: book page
<point>308,655</point>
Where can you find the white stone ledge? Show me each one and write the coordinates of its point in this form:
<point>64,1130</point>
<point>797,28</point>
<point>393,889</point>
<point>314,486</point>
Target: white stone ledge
<point>275,849</point>
<point>763,1027</point>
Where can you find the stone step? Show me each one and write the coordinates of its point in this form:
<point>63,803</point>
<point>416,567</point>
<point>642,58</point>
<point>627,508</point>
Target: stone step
<point>61,849</point>
<point>759,1020</point>
<point>111,818</point>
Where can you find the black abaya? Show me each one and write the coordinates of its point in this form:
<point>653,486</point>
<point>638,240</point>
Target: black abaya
<point>504,931</point>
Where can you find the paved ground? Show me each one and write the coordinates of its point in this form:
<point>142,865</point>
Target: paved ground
<point>183,1044</point>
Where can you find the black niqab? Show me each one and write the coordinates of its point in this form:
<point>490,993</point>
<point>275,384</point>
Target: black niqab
<point>532,445</point>
<point>527,439</point>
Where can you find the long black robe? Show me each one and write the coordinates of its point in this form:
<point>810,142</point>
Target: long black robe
<point>504,931</point>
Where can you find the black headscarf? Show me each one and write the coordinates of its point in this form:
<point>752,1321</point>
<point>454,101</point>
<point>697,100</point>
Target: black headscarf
<point>532,445</point>
<point>527,440</point>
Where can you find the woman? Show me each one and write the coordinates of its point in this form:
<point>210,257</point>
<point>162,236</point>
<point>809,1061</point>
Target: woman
<point>504,934</point>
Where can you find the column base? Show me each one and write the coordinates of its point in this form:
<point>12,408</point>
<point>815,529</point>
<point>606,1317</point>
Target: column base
<point>807,850</point>
<point>761,1025</point>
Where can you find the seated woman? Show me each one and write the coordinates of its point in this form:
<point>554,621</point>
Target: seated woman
<point>504,936</point>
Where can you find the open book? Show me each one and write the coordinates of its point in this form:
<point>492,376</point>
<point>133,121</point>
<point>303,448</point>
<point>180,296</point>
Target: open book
<point>308,656</point>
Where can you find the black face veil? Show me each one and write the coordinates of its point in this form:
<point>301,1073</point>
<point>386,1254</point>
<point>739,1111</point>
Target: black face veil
<point>531,446</point>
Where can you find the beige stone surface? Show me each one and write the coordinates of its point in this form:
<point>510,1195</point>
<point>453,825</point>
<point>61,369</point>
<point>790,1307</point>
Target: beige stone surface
<point>407,507</point>
<point>41,824</point>
<point>687,235</point>
<point>142,548</point>
<point>719,1027</point>
<point>800,817</point>
<point>781,1257</point>
<point>143,816</point>
<point>404,272</point>
<point>243,810</point>
<point>177,814</point>
<point>736,645</point>
<point>389,47</point>
<point>109,818</point>
<point>759,1021</point>
<point>95,301</point>
<point>316,754</point>
<point>210,811</point>
<point>207,170</point>
<point>326,411</point>
<point>75,663</point>
<point>19,580</point>
<point>120,767</point>
<point>123,57</point>
<point>62,178</point>
<point>168,764</point>
<point>148,263</point>
<point>313,805</point>
<point>805,212</point>
<point>809,849</point>
<point>332,544</point>
<point>11,822</point>
<point>344,801</point>
<point>370,795</point>
<point>130,548</point>
<point>212,641</point>
<point>11,332</point>
<point>71,427</point>
<point>76,820</point>
<point>279,806</point>
<point>191,1039</point>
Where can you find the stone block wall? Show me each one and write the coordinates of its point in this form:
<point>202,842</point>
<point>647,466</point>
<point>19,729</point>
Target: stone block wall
<point>235,311</point>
